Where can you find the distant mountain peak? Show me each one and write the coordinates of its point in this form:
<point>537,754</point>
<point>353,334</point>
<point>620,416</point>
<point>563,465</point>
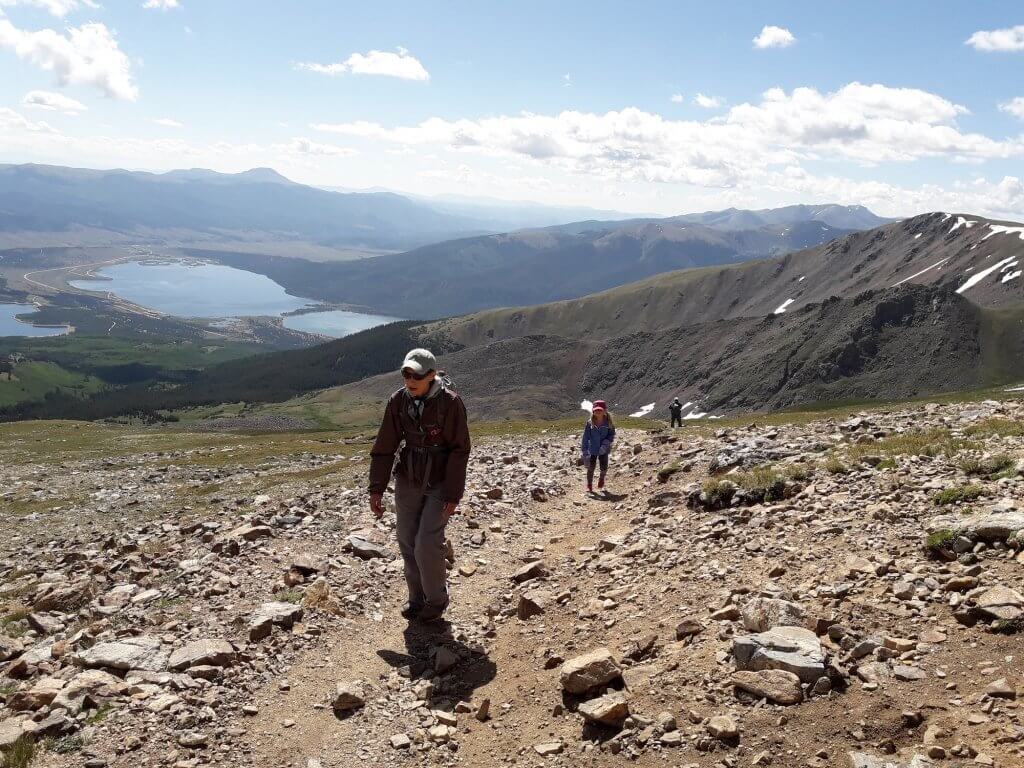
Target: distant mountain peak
<point>264,175</point>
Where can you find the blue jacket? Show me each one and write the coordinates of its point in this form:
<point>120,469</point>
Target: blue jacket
<point>597,440</point>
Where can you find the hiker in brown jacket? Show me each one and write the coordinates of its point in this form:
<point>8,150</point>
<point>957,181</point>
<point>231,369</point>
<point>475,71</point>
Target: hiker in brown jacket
<point>430,477</point>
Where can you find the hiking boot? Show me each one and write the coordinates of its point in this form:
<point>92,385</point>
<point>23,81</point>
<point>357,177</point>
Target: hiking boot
<point>412,610</point>
<point>590,488</point>
<point>600,483</point>
<point>432,613</point>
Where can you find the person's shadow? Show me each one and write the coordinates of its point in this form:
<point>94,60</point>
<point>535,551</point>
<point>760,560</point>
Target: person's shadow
<point>609,496</point>
<point>457,669</point>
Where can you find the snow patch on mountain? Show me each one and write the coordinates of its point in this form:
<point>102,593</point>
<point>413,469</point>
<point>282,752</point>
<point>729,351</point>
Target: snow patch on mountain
<point>999,229</point>
<point>975,279</point>
<point>918,274</point>
<point>962,222</point>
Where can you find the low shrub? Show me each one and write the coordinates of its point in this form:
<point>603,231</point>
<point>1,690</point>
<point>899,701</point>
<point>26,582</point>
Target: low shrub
<point>958,495</point>
<point>939,540</point>
<point>667,471</point>
<point>717,494</point>
<point>990,467</point>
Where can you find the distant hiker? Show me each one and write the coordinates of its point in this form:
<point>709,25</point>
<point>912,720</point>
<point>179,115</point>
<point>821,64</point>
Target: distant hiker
<point>598,436</point>
<point>676,409</point>
<point>430,477</point>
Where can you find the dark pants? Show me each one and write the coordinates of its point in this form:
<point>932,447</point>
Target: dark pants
<point>592,464</point>
<point>421,527</point>
<point>677,420</point>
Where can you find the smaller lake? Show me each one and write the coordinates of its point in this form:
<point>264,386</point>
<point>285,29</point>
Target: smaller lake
<point>335,323</point>
<point>11,326</point>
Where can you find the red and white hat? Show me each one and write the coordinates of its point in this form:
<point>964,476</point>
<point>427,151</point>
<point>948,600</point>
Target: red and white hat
<point>600,405</point>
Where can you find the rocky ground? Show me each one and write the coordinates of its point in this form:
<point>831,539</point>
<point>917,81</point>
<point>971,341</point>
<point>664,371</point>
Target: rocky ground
<point>833,591</point>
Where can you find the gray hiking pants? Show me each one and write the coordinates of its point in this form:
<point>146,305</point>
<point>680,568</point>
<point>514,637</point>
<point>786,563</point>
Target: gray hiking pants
<point>421,527</point>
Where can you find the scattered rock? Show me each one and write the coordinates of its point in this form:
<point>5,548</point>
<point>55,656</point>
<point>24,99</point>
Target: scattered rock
<point>776,685</point>
<point>269,615</point>
<point>584,673</point>
<point>142,653</point>
<point>610,709</point>
<point>348,696</point>
<point>214,653</point>
<point>793,649</point>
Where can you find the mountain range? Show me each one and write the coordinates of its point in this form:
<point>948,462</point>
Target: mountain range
<point>922,306</point>
<point>197,204</point>
<point>543,265</point>
<point>929,304</point>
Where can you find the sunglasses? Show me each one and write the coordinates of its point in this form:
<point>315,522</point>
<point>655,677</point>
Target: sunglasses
<point>407,374</point>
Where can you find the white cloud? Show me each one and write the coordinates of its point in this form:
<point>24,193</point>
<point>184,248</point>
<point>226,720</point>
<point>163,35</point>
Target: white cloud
<point>55,102</point>
<point>307,147</point>
<point>1014,107</point>
<point>13,123</point>
<point>59,8</point>
<point>774,37</point>
<point>865,124</point>
<point>707,102</point>
<point>774,177</point>
<point>676,98</point>
<point>167,122</point>
<point>567,80</point>
<point>1011,39</point>
<point>401,64</point>
<point>161,5</point>
<point>86,55</point>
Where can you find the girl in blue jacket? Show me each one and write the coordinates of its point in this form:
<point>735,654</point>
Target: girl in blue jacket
<point>598,436</point>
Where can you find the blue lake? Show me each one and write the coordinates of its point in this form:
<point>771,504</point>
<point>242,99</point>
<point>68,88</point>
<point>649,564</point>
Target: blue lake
<point>10,326</point>
<point>335,323</point>
<point>206,290</point>
<point>214,290</point>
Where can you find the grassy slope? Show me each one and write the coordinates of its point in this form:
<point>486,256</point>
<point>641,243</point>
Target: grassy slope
<point>78,365</point>
<point>96,351</point>
<point>54,442</point>
<point>33,380</point>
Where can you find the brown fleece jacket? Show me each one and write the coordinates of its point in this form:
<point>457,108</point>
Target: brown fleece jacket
<point>450,441</point>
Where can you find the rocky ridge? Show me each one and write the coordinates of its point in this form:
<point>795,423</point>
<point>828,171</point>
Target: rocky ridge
<point>829,592</point>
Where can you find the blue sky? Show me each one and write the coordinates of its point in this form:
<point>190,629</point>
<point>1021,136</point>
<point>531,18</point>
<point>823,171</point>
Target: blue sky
<point>665,107</point>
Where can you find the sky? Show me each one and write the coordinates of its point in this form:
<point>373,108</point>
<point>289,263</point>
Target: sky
<point>655,107</point>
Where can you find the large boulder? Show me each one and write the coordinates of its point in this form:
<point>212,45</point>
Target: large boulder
<point>13,729</point>
<point>348,696</point>
<point>211,653</point>
<point>586,672</point>
<point>865,760</point>
<point>273,614</point>
<point>997,524</point>
<point>610,709</point>
<point>776,685</point>
<point>93,686</point>
<point>365,549</point>
<point>38,696</point>
<point>1000,602</point>
<point>249,533</point>
<point>793,649</point>
<point>763,613</point>
<point>532,570</point>
<point>143,653</point>
<point>10,647</point>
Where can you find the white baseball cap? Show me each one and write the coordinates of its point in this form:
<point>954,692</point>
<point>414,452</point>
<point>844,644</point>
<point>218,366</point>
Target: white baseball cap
<point>420,361</point>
